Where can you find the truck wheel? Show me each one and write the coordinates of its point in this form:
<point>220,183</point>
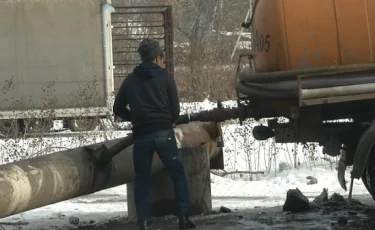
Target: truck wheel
<point>10,128</point>
<point>38,125</point>
<point>83,124</point>
<point>368,176</point>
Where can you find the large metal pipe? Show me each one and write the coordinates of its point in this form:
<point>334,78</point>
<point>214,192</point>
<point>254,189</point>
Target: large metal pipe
<point>315,82</point>
<point>60,176</point>
<point>324,81</point>
<point>188,136</point>
<point>338,91</point>
<point>276,76</point>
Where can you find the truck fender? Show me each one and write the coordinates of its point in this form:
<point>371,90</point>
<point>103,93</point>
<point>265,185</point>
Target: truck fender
<point>363,151</point>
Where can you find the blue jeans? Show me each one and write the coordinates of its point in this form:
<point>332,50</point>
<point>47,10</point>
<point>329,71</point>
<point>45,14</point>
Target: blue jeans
<point>165,145</point>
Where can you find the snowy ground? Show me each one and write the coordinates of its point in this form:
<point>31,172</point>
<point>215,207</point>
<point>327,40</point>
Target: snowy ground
<point>235,194</point>
<point>238,192</point>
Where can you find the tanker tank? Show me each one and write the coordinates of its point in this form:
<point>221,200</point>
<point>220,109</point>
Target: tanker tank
<point>312,62</point>
<point>309,53</point>
<point>295,34</point>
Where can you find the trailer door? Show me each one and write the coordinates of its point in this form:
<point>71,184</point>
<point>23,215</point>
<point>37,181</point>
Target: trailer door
<point>130,26</point>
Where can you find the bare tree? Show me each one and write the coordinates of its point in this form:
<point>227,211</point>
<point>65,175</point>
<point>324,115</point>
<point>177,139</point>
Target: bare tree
<point>203,45</point>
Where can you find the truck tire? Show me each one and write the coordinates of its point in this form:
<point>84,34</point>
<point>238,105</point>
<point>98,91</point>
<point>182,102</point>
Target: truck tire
<point>10,128</point>
<point>368,176</point>
<point>40,126</point>
<point>83,124</point>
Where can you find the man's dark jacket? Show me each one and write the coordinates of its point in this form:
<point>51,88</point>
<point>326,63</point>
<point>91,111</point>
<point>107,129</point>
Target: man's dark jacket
<point>151,93</point>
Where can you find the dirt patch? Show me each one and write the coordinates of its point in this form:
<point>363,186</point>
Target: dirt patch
<point>356,216</point>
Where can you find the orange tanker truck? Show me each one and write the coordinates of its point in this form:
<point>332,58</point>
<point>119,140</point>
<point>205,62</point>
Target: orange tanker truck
<point>312,62</point>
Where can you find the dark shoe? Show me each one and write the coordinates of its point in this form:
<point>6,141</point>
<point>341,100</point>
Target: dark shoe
<point>186,223</point>
<point>146,225</point>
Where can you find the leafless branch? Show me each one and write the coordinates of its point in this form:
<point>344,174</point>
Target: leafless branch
<point>225,173</point>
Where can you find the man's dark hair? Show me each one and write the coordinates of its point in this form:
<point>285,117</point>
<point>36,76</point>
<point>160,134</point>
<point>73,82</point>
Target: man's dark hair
<point>149,49</point>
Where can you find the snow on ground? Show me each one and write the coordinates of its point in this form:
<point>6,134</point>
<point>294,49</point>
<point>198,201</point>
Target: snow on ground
<point>241,191</point>
<point>235,194</point>
<point>271,190</point>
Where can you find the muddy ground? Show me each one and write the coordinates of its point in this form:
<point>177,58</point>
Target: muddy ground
<point>333,216</point>
<point>355,216</point>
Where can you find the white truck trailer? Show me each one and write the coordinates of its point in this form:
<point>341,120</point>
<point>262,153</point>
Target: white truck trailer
<point>58,59</point>
<point>55,62</point>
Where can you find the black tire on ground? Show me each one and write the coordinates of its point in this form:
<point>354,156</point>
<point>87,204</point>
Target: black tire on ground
<point>10,128</point>
<point>82,124</point>
<point>368,177</point>
<point>262,133</point>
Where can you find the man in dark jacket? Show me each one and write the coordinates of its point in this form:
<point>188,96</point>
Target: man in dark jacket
<point>148,98</point>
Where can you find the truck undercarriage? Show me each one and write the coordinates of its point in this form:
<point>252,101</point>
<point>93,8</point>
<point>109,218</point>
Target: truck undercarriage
<point>334,113</point>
